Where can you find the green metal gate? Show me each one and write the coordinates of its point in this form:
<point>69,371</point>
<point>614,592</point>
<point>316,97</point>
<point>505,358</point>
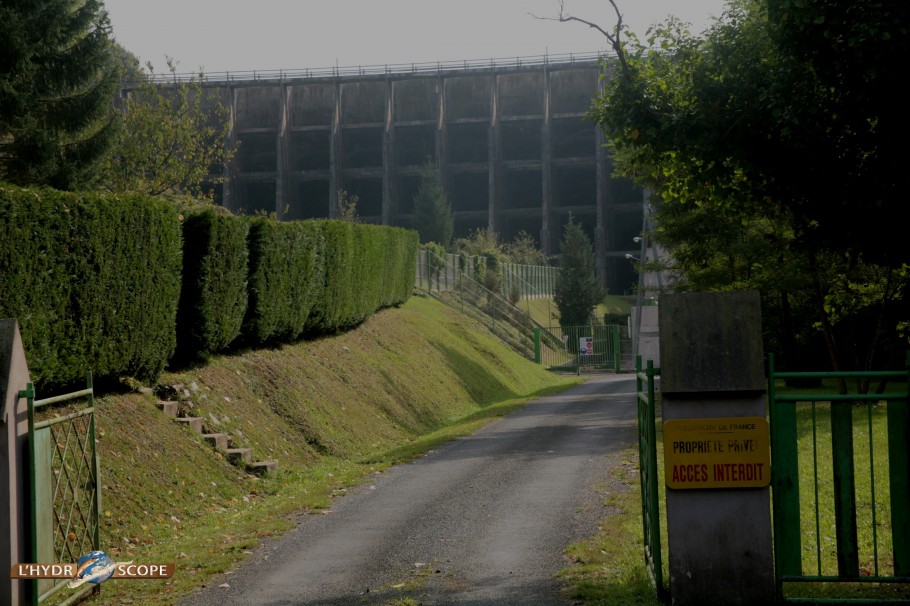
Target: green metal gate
<point>840,478</point>
<point>562,347</point>
<point>65,499</point>
<point>647,468</point>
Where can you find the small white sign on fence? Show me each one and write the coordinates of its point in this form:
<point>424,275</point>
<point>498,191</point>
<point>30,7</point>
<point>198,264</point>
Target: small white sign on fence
<point>586,346</point>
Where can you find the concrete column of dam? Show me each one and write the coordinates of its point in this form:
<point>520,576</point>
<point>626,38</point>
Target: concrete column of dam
<point>512,145</point>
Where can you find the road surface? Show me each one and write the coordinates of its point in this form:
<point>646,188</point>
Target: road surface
<point>481,521</point>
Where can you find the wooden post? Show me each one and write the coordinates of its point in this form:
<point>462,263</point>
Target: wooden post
<point>14,524</point>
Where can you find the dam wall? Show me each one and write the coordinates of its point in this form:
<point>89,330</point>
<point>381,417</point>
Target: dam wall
<point>512,144</point>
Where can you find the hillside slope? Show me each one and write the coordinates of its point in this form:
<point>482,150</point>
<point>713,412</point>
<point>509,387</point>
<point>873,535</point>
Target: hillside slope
<point>330,411</point>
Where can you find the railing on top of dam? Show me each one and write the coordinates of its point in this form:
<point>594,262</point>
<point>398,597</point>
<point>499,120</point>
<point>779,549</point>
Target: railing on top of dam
<point>371,70</point>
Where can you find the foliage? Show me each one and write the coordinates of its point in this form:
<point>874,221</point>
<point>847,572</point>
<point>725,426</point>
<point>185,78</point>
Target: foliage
<point>347,206</point>
<point>772,141</point>
<point>57,82</point>
<point>93,280</point>
<point>577,291</point>
<point>436,260</point>
<point>286,268</point>
<point>213,296</point>
<point>479,243</point>
<point>128,64</point>
<point>514,293</point>
<point>492,275</point>
<point>432,211</point>
<point>524,249</point>
<point>172,140</point>
<point>367,267</point>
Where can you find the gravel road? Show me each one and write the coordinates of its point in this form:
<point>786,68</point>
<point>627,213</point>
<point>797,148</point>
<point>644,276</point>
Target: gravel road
<point>481,521</point>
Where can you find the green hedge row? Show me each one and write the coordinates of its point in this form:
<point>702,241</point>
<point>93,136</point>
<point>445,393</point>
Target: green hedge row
<point>93,280</point>
<point>286,269</point>
<point>213,299</point>
<point>123,285</point>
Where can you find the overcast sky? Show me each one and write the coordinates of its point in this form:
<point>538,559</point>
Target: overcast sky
<point>242,35</point>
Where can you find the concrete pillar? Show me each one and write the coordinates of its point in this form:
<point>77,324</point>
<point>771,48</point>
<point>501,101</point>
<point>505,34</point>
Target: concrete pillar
<point>14,525</point>
<point>601,244</point>
<point>442,156</point>
<point>227,188</point>
<point>282,158</point>
<point>712,366</point>
<point>387,156</point>
<point>546,169</point>
<point>335,151</point>
<point>603,176</point>
<point>493,148</point>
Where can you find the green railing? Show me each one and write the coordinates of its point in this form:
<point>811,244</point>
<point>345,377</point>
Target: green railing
<point>647,469</point>
<point>64,493</point>
<point>855,510</point>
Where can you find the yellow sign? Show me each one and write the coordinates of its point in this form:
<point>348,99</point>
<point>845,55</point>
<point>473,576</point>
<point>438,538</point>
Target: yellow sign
<point>717,453</point>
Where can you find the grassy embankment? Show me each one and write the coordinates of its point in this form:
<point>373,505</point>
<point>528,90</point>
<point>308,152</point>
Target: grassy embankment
<point>544,310</point>
<point>331,411</point>
<point>609,568</point>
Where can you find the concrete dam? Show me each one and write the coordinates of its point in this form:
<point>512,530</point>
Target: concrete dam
<point>514,150</point>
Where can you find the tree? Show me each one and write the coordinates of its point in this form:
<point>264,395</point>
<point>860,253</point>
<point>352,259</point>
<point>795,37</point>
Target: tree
<point>346,204</point>
<point>57,85</point>
<point>432,211</point>
<point>776,133</point>
<point>523,249</point>
<point>172,139</point>
<point>577,291</point>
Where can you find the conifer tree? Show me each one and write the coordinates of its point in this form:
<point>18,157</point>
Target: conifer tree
<point>57,86</point>
<point>577,290</point>
<point>432,211</point>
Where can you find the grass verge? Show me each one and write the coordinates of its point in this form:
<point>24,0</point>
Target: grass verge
<point>331,411</point>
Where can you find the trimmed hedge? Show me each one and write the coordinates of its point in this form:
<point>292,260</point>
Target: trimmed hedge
<point>93,280</point>
<point>213,298</point>
<point>104,283</point>
<point>370,267</point>
<point>286,269</point>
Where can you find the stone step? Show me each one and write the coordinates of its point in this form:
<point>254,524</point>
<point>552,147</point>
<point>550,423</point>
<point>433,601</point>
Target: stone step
<point>169,408</point>
<point>194,423</point>
<point>218,441</point>
<point>263,467</point>
<point>237,455</point>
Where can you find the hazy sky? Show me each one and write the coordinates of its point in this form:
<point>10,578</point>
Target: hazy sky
<point>239,35</point>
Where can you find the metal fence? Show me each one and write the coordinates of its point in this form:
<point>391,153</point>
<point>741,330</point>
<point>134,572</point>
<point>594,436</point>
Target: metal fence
<point>647,469</point>
<point>64,492</point>
<point>575,348</point>
<point>429,67</point>
<point>840,479</point>
<point>448,272</point>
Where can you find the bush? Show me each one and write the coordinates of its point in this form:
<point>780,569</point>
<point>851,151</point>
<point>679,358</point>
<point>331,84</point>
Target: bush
<point>514,294</point>
<point>93,281</point>
<point>285,276</point>
<point>367,267</point>
<point>213,297</point>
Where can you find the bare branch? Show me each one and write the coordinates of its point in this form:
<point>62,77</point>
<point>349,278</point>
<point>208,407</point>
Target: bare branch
<point>613,37</point>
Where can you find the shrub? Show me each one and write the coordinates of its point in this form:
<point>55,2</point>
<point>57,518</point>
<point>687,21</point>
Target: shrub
<point>213,297</point>
<point>285,275</point>
<point>93,280</point>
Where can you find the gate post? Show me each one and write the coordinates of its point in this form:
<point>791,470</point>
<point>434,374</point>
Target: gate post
<point>13,462</point>
<point>712,371</point>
